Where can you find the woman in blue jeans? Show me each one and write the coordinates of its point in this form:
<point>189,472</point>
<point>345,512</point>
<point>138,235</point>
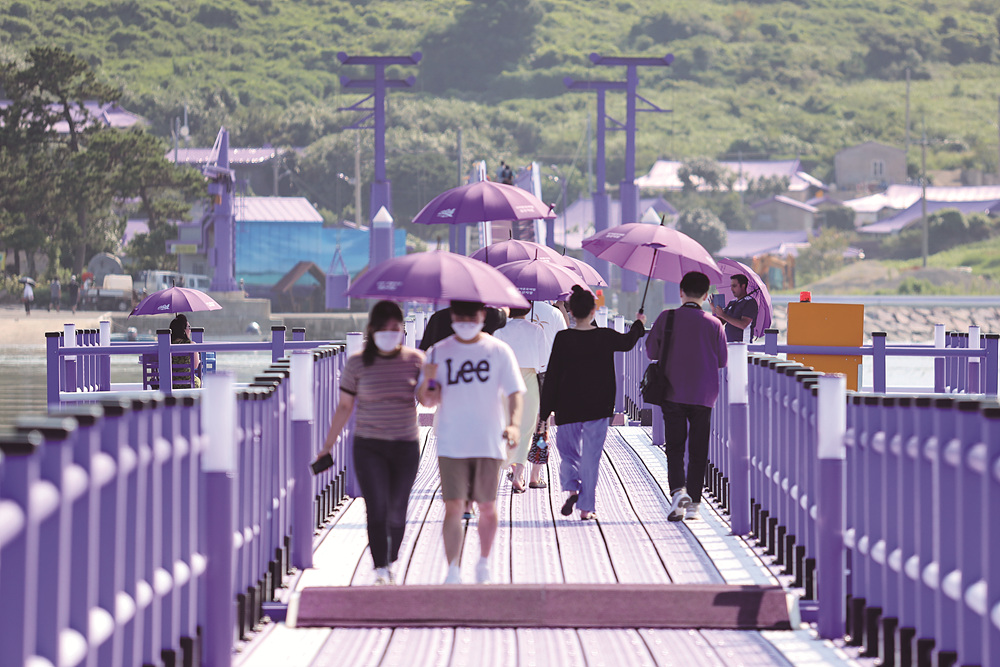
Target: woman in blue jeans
<point>580,389</point>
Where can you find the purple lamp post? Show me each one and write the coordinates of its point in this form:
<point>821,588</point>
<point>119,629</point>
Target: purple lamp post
<point>220,190</point>
<point>628,192</point>
<point>380,244</point>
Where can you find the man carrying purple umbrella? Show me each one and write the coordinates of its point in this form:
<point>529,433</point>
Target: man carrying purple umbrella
<point>740,314</point>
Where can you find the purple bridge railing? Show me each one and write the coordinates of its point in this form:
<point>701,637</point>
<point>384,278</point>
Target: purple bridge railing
<point>143,528</point>
<point>874,505</point>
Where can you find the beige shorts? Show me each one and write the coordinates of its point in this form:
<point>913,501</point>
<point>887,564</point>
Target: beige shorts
<point>470,479</point>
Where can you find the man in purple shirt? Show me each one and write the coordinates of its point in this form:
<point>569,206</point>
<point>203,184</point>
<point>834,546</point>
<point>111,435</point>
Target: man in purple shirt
<point>695,352</point>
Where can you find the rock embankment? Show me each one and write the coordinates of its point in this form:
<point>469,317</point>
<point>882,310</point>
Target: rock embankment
<point>909,324</point>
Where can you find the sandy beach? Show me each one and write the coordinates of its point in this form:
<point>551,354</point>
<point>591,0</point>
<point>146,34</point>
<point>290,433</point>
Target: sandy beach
<point>16,328</point>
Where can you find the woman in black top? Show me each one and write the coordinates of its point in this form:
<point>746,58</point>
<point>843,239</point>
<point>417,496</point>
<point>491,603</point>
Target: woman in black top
<point>580,388</point>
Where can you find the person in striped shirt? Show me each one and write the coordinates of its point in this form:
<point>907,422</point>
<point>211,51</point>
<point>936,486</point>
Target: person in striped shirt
<point>380,383</point>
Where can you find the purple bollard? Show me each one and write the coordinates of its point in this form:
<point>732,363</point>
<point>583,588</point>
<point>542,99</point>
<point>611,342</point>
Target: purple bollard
<point>831,429</point>
<point>968,578</point>
<point>20,470</point>
<point>60,481</point>
<point>739,440</point>
<point>277,343</point>
<point>302,446</point>
<point>878,362</point>
<point>942,574</point>
<point>990,544</point>
<point>219,466</point>
<point>164,361</point>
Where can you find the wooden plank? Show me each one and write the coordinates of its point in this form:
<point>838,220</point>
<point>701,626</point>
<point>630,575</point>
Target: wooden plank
<point>288,647</point>
<point>581,549</point>
<point>534,548</point>
<point>547,605</point>
<point>614,647</point>
<point>546,646</point>
<point>478,647</point>
<point>685,560</point>
<point>430,647</point>
<point>680,647</point>
<point>357,647</point>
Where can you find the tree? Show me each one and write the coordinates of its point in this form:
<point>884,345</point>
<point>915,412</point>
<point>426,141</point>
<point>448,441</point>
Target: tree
<point>704,227</point>
<point>824,255</point>
<point>702,171</point>
<point>49,87</point>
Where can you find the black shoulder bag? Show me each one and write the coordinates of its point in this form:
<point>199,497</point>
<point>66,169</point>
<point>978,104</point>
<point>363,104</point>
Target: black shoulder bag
<point>654,385</point>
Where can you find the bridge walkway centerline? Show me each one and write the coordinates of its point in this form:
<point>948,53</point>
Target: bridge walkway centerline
<point>630,543</point>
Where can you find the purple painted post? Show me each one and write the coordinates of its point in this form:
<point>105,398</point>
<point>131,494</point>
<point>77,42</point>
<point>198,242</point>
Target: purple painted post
<point>118,460</point>
<point>600,195</point>
<point>974,362</point>
<point>921,451</point>
<point>277,343</point>
<point>990,383</point>
<point>971,469</point>
<point>85,523</point>
<point>739,440</point>
<point>940,380</point>
<point>831,429</point>
<point>298,334</point>
<point>381,192</point>
<point>906,516</point>
<point>19,548</point>
<point>990,542</point>
<point>878,361</point>
<point>69,362</point>
<point>302,445</point>
<point>219,467</point>
<point>771,342</point>
<point>164,361</point>
<point>53,362</point>
<point>940,575</point>
<point>104,371</point>
<point>618,325</point>
<point>60,482</point>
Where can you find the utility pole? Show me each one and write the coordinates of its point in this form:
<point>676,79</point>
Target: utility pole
<point>590,162</point>
<point>457,233</point>
<point>906,150</point>
<point>923,188</point>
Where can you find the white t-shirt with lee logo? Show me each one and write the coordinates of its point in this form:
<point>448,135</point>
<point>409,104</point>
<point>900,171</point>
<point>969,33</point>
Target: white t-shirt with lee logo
<point>476,379</point>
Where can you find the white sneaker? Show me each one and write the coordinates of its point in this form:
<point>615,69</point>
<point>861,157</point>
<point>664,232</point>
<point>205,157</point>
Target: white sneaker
<point>678,503</point>
<point>483,572</point>
<point>692,511</point>
<point>454,575</point>
<point>382,576</point>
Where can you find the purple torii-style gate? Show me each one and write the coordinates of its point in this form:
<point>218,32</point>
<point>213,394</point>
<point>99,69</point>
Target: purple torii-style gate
<point>380,244</point>
<point>628,192</point>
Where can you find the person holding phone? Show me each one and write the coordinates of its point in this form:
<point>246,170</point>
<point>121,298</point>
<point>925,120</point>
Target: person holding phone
<point>380,383</point>
<point>475,382</point>
<point>739,313</point>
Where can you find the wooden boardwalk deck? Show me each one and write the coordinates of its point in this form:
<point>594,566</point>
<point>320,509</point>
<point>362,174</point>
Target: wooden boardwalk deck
<point>632,542</point>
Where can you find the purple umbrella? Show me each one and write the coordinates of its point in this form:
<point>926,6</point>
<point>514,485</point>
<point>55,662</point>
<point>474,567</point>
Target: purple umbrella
<point>655,251</point>
<point>483,201</point>
<point>589,274</point>
<point>756,289</point>
<point>437,275</point>
<point>541,280</point>
<point>513,250</point>
<point>175,300</point>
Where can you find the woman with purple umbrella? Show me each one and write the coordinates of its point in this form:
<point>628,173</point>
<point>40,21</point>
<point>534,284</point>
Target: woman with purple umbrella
<point>580,388</point>
<point>381,382</point>
<point>184,367</point>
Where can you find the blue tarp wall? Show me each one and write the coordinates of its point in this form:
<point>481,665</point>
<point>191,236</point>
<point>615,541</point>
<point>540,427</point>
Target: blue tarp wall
<point>265,251</point>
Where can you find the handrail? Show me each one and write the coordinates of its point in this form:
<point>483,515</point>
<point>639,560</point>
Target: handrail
<point>113,520</point>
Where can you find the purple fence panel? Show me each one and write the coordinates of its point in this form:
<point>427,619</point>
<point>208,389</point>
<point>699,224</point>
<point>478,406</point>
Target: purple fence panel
<point>967,455</point>
<point>991,537</point>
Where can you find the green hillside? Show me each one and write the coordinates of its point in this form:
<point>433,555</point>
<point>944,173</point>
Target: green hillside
<point>759,79</point>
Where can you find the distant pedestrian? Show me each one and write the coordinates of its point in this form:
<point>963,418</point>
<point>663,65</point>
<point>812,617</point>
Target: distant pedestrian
<point>73,290</point>
<point>740,314</point>
<point>381,382</point>
<point>580,388</point>
<point>695,353</point>
<point>501,171</point>
<point>527,340</point>
<point>55,293</point>
<point>185,368</point>
<point>27,296</point>
<point>475,432</point>
<point>508,175</point>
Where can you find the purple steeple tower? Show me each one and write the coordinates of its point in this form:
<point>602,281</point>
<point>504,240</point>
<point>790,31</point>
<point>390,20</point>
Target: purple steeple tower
<point>222,255</point>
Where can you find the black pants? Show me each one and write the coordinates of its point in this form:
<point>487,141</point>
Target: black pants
<point>385,470</point>
<point>691,424</point>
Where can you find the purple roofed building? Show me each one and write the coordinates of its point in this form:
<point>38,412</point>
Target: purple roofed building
<point>108,114</point>
<point>900,198</point>
<point>578,221</point>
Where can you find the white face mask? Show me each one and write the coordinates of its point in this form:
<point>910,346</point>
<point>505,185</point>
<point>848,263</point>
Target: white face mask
<point>467,330</point>
<point>387,341</point>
